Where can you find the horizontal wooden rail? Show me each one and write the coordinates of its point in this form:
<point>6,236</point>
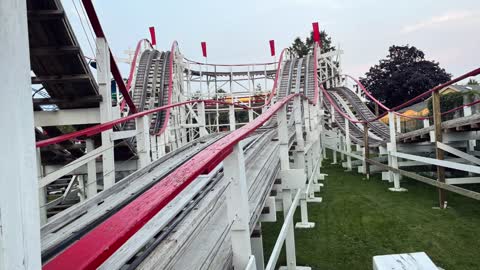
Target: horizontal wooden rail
<point>465,192</point>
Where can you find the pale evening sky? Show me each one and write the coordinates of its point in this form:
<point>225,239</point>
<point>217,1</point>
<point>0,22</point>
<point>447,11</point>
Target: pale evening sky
<point>238,31</point>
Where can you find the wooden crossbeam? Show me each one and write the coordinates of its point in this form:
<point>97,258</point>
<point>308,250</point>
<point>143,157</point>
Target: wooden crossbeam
<point>464,192</point>
<point>61,78</point>
<point>66,101</point>
<point>59,50</point>
<point>41,15</point>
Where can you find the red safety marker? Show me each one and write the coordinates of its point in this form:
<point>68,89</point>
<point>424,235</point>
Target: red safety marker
<point>272,47</point>
<point>204,48</point>
<point>152,35</point>
<point>316,33</point>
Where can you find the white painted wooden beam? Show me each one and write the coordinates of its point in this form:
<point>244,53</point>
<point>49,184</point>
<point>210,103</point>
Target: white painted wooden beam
<point>458,153</point>
<point>67,117</point>
<point>443,163</point>
<point>19,205</point>
<point>462,180</point>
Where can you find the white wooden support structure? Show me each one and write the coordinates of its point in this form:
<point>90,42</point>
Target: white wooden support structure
<point>286,193</point>
<point>67,117</point>
<point>237,207</point>
<point>332,113</point>
<point>103,79</point>
<point>348,145</point>
<point>342,146</point>
<point>392,148</point>
<point>183,130</point>
<point>467,111</point>
<point>321,121</point>
<point>143,141</point>
<point>42,191</point>
<point>153,141</point>
<point>300,160</point>
<point>231,117</point>
<point>256,241</point>
<point>322,134</point>
<point>399,124</point>
<point>318,155</point>
<point>438,162</point>
<point>283,237</point>
<point>91,183</point>
<point>288,184</point>
<point>336,146</point>
<point>251,88</point>
<point>19,207</point>
<point>201,118</point>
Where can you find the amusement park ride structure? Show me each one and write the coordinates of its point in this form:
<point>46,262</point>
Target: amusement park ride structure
<point>179,168</point>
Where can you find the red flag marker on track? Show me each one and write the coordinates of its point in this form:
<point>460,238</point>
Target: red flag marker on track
<point>272,47</point>
<point>204,48</point>
<point>316,33</point>
<point>152,35</point>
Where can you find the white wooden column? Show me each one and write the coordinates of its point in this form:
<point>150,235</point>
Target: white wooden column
<point>256,241</point>
<point>467,111</point>
<point>251,90</point>
<point>286,192</point>
<point>399,124</point>
<point>154,147</point>
<point>238,208</point>
<point>42,192</point>
<point>231,116</point>
<point>91,185</point>
<point>104,81</point>
<point>348,144</point>
<point>143,141</point>
<point>19,206</point>
<point>300,161</point>
<point>201,119</point>
<point>337,146</point>
<point>392,147</point>
<point>183,130</point>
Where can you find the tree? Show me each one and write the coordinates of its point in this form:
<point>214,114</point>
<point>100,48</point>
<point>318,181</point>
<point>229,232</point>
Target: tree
<point>404,74</point>
<point>219,94</point>
<point>299,48</point>
<point>472,82</point>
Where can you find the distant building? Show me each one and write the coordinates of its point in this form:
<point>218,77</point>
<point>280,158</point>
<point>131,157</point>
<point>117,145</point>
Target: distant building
<point>421,108</point>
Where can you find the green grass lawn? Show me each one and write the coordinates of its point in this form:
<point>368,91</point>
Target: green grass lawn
<point>360,218</point>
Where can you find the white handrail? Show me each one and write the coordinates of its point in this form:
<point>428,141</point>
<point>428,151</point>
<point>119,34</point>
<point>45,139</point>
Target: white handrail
<point>272,261</point>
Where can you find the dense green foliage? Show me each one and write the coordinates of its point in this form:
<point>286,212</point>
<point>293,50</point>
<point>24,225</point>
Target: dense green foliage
<point>472,82</point>
<point>360,218</point>
<point>404,74</point>
<point>300,48</point>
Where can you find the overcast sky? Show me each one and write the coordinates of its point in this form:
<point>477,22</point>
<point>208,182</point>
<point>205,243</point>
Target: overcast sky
<point>238,31</point>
